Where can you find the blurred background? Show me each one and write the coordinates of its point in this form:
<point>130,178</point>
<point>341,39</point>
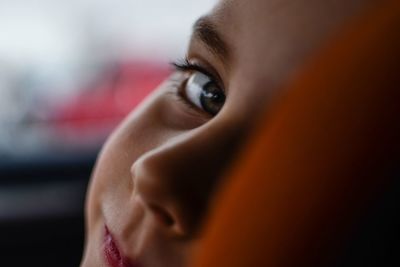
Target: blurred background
<point>70,70</point>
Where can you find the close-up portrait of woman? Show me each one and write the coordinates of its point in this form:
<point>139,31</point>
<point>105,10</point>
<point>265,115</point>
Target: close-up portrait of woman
<point>271,139</point>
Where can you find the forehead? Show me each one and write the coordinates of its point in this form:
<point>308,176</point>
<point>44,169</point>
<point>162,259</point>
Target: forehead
<point>269,40</point>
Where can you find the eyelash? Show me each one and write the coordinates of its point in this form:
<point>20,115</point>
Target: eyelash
<point>186,66</point>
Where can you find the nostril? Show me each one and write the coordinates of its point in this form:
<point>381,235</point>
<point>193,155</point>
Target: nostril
<point>161,215</point>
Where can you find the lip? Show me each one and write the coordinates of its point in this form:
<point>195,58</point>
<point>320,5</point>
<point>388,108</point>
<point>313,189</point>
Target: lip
<point>113,255</point>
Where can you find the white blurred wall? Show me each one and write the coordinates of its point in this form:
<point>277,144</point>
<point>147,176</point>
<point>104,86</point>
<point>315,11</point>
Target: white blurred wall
<point>51,43</point>
<point>49,49</point>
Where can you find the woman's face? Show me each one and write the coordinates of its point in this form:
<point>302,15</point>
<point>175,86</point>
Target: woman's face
<point>154,177</point>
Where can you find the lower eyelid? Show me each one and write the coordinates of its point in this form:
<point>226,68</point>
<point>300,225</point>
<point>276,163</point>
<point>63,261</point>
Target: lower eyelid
<point>179,113</point>
<point>179,95</point>
<point>181,99</point>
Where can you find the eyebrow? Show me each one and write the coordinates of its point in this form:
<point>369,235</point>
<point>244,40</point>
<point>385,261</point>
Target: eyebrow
<point>206,31</point>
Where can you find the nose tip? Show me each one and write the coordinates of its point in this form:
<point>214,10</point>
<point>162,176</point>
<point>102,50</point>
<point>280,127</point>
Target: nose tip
<point>158,199</point>
<point>165,214</point>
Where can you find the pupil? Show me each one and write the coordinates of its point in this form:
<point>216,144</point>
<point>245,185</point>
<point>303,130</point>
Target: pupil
<point>212,98</point>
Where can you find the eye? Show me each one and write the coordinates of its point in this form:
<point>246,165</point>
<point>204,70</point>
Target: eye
<point>204,93</point>
<point>201,90</point>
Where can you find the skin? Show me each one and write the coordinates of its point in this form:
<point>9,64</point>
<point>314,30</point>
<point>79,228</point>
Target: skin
<point>155,176</point>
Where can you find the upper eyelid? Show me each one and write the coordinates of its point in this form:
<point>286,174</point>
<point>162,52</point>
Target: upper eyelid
<point>187,65</point>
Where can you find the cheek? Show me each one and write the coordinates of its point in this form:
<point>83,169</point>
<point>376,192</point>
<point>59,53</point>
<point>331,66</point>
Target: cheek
<point>106,180</point>
<point>140,132</point>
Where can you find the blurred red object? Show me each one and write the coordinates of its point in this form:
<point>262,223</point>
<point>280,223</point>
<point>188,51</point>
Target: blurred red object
<point>93,113</point>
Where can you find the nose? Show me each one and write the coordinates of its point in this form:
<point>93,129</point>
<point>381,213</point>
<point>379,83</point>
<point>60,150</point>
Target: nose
<point>175,180</point>
<point>156,194</point>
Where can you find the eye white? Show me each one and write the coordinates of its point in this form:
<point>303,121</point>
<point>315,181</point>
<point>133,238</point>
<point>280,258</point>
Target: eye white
<point>194,87</point>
